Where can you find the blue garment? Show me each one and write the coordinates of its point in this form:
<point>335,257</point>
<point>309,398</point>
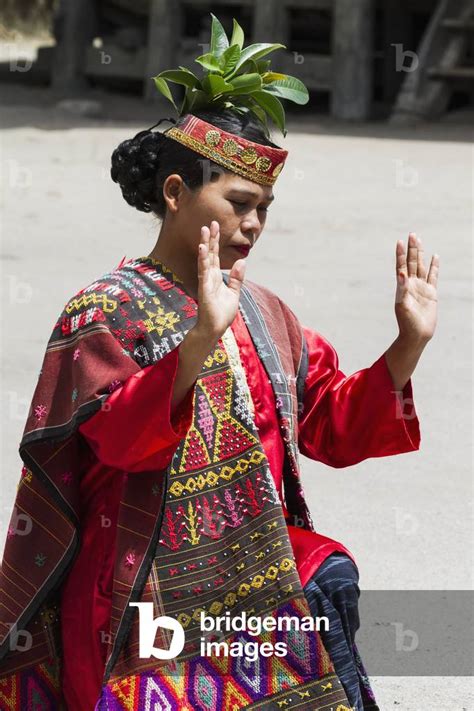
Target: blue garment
<point>333,592</point>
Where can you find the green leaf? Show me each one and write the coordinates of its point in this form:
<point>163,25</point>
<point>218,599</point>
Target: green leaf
<point>288,88</point>
<point>219,40</point>
<point>273,107</point>
<point>272,76</point>
<point>185,69</point>
<point>255,51</point>
<point>208,61</point>
<point>249,67</point>
<point>253,67</point>
<point>263,65</point>
<point>196,99</point>
<point>164,89</point>
<point>244,84</point>
<point>237,34</point>
<point>215,85</point>
<point>179,77</point>
<point>229,59</point>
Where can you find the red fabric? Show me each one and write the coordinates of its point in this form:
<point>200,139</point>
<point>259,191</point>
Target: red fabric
<point>136,431</point>
<point>311,549</point>
<point>350,418</point>
<point>345,420</point>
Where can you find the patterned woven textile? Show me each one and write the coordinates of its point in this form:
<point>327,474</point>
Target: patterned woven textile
<point>206,535</point>
<point>333,591</point>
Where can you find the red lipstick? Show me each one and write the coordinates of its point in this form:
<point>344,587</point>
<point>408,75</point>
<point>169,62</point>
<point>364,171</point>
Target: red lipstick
<point>243,250</point>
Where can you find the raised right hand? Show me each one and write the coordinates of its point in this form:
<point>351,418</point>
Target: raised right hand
<point>217,301</point>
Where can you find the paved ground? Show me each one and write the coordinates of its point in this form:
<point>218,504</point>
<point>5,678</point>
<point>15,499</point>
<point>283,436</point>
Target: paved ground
<point>346,195</point>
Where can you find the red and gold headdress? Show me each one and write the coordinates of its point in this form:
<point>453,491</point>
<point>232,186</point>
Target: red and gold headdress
<point>261,164</point>
<point>236,78</point>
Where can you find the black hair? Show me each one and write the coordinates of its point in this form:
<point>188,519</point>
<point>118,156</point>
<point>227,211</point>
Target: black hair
<point>141,164</point>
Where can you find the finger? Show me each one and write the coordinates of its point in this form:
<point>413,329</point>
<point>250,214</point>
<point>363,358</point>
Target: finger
<point>434,270</point>
<point>205,240</point>
<point>213,246</point>
<point>412,260</point>
<point>421,269</point>
<point>217,246</point>
<point>203,253</point>
<point>212,230</point>
<point>205,235</point>
<point>236,275</point>
<point>401,262</point>
<point>202,258</point>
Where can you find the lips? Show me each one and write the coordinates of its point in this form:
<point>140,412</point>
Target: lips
<point>242,249</point>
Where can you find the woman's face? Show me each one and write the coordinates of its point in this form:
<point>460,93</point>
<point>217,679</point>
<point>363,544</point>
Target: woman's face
<point>239,205</point>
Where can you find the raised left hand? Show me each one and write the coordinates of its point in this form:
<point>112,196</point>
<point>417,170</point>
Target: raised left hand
<point>416,302</point>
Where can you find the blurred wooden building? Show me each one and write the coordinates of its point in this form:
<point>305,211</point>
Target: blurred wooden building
<point>415,58</point>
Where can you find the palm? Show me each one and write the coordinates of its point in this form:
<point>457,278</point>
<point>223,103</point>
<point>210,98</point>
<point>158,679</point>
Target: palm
<point>416,304</point>
<point>217,301</point>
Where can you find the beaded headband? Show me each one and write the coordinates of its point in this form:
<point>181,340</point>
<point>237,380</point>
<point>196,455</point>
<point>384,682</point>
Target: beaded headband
<point>261,164</point>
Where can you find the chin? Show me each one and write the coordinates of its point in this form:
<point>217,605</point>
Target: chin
<point>228,263</point>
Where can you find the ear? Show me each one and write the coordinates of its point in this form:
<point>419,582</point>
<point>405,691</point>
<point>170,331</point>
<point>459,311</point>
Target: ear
<point>174,191</point>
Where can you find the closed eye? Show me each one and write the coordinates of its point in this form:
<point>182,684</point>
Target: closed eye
<point>237,202</point>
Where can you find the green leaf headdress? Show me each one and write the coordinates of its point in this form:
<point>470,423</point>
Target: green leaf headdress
<point>235,77</point>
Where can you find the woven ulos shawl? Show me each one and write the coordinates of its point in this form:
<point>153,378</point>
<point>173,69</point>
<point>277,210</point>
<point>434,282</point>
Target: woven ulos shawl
<point>206,534</point>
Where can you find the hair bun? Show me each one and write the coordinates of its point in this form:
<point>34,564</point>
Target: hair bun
<point>134,167</point>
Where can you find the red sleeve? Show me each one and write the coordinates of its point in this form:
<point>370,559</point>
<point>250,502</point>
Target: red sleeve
<point>346,419</point>
<point>136,429</point>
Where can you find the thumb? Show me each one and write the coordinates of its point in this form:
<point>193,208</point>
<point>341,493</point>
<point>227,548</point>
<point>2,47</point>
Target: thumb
<point>236,276</point>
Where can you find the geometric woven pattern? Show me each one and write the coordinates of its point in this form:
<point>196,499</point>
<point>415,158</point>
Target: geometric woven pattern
<point>223,547</point>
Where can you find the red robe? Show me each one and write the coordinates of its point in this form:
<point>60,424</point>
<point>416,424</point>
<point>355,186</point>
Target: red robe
<point>345,420</point>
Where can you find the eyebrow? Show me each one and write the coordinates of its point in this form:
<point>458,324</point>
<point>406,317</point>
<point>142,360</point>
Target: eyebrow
<point>249,192</point>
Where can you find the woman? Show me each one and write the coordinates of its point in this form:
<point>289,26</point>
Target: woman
<point>161,453</point>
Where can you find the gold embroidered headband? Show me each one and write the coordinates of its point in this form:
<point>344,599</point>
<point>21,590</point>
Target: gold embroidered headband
<point>261,164</point>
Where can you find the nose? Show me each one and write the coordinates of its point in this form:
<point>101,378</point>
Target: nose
<point>251,226</point>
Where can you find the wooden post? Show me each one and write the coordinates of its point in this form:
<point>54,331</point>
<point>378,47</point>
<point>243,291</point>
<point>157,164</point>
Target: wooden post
<point>352,51</point>
<point>75,26</point>
<point>164,34</point>
<point>269,26</point>
<point>396,29</point>
<point>269,22</point>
